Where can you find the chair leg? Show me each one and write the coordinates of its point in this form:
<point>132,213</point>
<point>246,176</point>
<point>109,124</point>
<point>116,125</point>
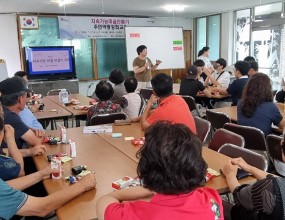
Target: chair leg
<point>52,124</point>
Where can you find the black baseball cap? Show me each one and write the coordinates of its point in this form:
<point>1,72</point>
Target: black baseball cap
<point>13,85</point>
<point>192,72</point>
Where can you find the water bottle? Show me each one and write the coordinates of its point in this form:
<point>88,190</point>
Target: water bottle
<point>146,61</point>
<point>63,96</point>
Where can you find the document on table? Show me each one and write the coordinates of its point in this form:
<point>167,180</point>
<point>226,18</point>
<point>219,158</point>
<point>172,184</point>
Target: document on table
<point>98,129</point>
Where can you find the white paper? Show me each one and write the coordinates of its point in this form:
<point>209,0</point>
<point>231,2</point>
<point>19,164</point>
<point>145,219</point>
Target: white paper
<point>98,129</point>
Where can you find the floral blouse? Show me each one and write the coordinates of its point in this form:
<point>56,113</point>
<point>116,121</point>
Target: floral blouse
<point>102,107</point>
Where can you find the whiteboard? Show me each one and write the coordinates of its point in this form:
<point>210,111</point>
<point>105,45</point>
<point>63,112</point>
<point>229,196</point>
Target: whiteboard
<point>3,70</point>
<point>163,43</point>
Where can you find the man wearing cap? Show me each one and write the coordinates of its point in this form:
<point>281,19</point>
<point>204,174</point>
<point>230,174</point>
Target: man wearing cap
<point>171,107</point>
<point>191,86</point>
<point>219,78</point>
<point>26,114</point>
<point>13,98</point>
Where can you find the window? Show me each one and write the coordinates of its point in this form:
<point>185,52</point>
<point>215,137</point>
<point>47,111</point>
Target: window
<point>262,38</point>
<point>208,34</point>
<point>201,33</point>
<point>242,34</point>
<point>214,36</point>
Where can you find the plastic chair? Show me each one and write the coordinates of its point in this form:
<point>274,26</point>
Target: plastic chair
<point>274,147</point>
<point>55,92</point>
<point>107,118</point>
<point>191,104</point>
<point>274,151</point>
<point>252,158</point>
<point>146,93</point>
<point>217,119</point>
<point>203,128</point>
<point>223,136</point>
<point>254,138</point>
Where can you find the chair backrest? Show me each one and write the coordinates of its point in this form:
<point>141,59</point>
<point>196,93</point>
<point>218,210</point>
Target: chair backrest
<point>55,92</point>
<point>274,146</point>
<point>252,158</point>
<point>190,102</point>
<point>107,118</point>
<point>203,128</point>
<point>223,136</point>
<point>217,119</point>
<point>254,138</point>
<point>146,93</point>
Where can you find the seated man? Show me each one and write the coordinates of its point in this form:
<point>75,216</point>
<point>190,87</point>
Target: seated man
<point>201,67</point>
<point>253,65</point>
<point>104,91</point>
<point>13,98</point>
<point>15,202</point>
<point>12,166</point>
<point>191,86</point>
<point>219,78</point>
<point>22,74</point>
<point>172,171</point>
<point>26,115</point>
<point>236,87</point>
<point>171,107</point>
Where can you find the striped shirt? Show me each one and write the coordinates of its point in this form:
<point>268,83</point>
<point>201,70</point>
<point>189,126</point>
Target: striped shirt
<point>261,200</point>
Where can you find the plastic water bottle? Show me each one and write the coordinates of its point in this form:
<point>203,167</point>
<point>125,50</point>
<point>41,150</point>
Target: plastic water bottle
<point>63,96</point>
<point>146,61</point>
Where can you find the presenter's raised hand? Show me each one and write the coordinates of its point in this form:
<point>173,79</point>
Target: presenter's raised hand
<point>158,62</point>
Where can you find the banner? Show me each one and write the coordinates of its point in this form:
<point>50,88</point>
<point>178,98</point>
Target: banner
<point>74,27</point>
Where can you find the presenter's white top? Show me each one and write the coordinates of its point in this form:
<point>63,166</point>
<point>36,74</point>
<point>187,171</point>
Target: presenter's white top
<point>206,61</point>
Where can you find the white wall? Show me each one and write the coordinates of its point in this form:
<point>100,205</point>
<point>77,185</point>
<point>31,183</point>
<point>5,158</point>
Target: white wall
<point>9,46</point>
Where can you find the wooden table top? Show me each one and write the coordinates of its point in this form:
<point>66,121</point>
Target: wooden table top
<point>51,110</point>
<point>99,156</point>
<point>111,159</point>
<point>84,100</point>
<point>214,159</point>
<point>126,147</point>
<point>232,111</point>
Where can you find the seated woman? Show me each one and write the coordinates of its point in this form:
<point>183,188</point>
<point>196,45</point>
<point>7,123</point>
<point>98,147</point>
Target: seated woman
<point>104,91</point>
<point>262,200</point>
<point>132,103</point>
<point>172,171</point>
<point>116,77</point>
<point>256,108</point>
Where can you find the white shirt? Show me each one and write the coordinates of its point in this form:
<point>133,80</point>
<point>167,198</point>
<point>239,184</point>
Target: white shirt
<point>223,80</point>
<point>206,61</point>
<point>134,105</point>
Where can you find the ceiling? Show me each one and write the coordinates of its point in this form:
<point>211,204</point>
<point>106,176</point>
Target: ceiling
<point>194,8</point>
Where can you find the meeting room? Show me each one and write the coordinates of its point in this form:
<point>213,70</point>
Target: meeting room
<point>109,109</point>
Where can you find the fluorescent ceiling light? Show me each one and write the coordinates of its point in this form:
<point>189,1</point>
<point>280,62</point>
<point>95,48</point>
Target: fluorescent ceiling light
<point>174,7</point>
<point>63,2</point>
